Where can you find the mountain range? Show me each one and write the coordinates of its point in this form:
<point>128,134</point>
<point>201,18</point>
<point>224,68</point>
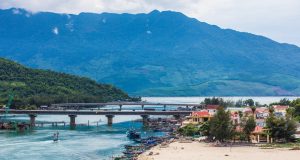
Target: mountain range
<point>156,54</point>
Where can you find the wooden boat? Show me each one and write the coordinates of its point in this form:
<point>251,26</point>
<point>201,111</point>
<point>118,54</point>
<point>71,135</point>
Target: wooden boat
<point>132,152</point>
<point>132,134</point>
<point>133,146</point>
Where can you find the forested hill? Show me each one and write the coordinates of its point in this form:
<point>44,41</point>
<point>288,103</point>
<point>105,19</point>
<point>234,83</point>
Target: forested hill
<point>40,87</point>
<point>156,54</point>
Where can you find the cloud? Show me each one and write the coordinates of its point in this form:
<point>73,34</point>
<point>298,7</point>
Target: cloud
<point>276,19</point>
<point>16,11</point>
<point>55,31</point>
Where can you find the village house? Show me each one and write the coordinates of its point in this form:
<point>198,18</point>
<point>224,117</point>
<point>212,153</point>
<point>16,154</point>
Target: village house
<point>212,109</point>
<point>279,110</point>
<point>198,117</point>
<point>260,135</point>
<point>247,111</point>
<point>235,117</point>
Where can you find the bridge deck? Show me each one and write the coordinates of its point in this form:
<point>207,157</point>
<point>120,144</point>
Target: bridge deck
<point>95,112</point>
<point>123,104</point>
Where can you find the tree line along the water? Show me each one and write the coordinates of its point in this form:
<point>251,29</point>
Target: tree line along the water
<point>33,87</point>
<point>231,103</point>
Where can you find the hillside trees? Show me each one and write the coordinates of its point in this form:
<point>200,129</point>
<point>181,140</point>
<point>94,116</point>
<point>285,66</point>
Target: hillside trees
<point>43,87</point>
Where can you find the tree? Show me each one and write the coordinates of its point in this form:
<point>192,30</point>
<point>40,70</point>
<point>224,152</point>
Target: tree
<point>239,103</point>
<point>295,102</point>
<point>297,110</point>
<point>249,102</point>
<point>204,129</point>
<point>248,126</point>
<point>271,110</point>
<point>218,101</point>
<point>281,128</point>
<point>284,102</point>
<point>257,104</point>
<point>189,130</point>
<point>294,109</point>
<point>253,109</point>
<point>221,126</point>
<point>291,111</point>
<point>240,114</point>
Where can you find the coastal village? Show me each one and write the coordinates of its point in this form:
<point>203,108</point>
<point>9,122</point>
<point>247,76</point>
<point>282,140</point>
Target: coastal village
<point>260,115</point>
<point>261,142</point>
<point>190,133</point>
<point>210,126</point>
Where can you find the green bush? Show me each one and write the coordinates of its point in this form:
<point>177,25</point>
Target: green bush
<point>189,130</point>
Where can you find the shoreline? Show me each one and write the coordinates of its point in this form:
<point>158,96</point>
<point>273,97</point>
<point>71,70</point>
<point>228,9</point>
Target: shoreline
<point>197,150</point>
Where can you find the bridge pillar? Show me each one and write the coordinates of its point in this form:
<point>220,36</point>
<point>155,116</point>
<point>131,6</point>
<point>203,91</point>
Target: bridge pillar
<point>110,119</point>
<point>143,106</point>
<point>145,119</point>
<point>165,106</point>
<point>177,117</point>
<point>120,107</point>
<point>72,121</point>
<point>32,120</point>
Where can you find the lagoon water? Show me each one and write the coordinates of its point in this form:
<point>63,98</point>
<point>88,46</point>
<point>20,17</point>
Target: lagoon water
<point>84,143</point>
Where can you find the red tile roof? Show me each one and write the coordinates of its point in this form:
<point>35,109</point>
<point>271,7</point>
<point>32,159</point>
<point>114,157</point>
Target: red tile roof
<point>262,110</point>
<point>279,107</point>
<point>203,113</point>
<point>258,129</point>
<point>212,106</point>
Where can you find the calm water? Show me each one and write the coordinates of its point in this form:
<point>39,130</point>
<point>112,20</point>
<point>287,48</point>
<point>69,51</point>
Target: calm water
<point>84,143</point>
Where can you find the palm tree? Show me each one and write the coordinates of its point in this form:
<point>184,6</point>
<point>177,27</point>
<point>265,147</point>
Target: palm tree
<point>271,110</point>
<point>253,109</point>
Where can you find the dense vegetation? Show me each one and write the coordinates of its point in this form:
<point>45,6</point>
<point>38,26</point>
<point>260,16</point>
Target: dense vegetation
<point>293,110</point>
<point>42,87</point>
<point>230,103</point>
<point>158,54</point>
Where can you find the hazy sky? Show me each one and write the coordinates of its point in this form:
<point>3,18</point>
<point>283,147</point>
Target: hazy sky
<point>276,19</point>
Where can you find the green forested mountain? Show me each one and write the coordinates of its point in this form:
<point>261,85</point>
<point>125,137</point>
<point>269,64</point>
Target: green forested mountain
<point>155,54</point>
<point>38,87</point>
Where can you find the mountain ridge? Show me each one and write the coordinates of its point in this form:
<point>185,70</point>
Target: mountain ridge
<point>156,54</point>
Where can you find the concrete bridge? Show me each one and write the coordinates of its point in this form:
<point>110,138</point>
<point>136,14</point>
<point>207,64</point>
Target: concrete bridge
<point>109,114</point>
<point>120,104</point>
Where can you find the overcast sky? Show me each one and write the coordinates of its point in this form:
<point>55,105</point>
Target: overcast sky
<point>276,19</point>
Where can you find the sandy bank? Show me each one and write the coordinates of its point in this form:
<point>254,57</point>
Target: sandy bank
<point>196,151</point>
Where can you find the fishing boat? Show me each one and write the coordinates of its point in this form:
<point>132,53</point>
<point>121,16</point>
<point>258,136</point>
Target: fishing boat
<point>133,152</point>
<point>55,137</point>
<point>133,146</point>
<point>132,134</point>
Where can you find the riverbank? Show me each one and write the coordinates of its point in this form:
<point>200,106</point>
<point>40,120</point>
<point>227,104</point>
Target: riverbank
<point>196,151</point>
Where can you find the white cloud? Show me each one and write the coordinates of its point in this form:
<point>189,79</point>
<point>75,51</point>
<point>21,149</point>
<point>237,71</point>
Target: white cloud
<point>55,31</point>
<point>16,11</point>
<point>276,19</point>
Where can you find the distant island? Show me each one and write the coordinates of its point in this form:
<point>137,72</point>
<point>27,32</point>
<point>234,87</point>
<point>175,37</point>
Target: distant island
<point>32,87</point>
<point>155,54</point>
